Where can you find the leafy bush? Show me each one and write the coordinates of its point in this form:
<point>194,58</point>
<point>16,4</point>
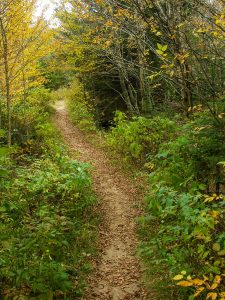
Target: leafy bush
<point>46,226</point>
<point>46,220</point>
<point>190,162</point>
<point>188,236</point>
<point>139,138</point>
<point>4,162</point>
<point>183,229</point>
<point>27,114</point>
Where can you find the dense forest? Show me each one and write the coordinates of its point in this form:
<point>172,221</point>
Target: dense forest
<point>144,82</point>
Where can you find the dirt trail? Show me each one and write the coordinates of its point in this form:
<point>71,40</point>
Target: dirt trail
<point>117,275</point>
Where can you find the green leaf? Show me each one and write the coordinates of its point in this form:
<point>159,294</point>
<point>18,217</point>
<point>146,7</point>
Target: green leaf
<point>3,151</point>
<point>178,277</point>
<point>3,172</point>
<point>159,46</point>
<point>221,253</point>
<point>160,52</point>
<point>216,247</point>
<point>2,133</point>
<point>202,186</point>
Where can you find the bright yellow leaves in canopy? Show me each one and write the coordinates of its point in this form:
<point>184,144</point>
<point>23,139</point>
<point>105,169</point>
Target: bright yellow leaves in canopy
<point>26,42</point>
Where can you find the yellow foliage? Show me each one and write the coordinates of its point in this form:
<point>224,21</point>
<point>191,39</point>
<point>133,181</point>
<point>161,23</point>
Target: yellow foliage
<point>217,279</point>
<point>211,296</point>
<point>199,291</point>
<point>215,214</point>
<point>185,283</point>
<point>216,247</point>
<point>202,285</point>
<point>109,23</point>
<point>197,281</point>
<point>214,197</point>
<point>178,277</point>
<point>213,286</point>
<point>27,41</point>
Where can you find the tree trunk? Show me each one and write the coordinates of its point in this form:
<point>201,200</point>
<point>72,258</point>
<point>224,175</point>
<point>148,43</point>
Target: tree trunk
<point>7,82</point>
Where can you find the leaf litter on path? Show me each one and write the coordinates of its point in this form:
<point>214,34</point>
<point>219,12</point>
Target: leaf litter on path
<point>117,274</point>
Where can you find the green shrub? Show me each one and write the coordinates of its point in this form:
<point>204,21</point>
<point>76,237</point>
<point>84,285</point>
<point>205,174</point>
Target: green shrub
<point>46,226</point>
<point>46,221</point>
<point>190,162</point>
<point>188,235</point>
<point>139,138</point>
<point>4,164</point>
<point>183,228</point>
<point>26,114</point>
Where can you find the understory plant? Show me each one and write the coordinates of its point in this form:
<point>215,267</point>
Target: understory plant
<point>140,137</point>
<point>183,228</point>
<point>47,223</point>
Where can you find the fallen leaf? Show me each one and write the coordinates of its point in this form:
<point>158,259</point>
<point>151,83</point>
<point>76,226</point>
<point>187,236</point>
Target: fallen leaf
<point>185,283</point>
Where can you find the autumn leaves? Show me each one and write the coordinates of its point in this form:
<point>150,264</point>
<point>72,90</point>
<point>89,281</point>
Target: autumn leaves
<point>23,42</point>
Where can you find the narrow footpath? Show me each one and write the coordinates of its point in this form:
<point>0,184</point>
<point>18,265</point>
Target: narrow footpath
<point>117,274</point>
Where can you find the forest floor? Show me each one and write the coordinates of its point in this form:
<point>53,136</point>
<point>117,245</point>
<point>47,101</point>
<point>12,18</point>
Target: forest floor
<point>117,272</point>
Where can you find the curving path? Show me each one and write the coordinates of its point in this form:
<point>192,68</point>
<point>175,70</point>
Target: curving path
<point>117,273</point>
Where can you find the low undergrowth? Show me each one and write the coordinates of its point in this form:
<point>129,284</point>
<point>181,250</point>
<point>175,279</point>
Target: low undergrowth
<point>47,224</point>
<point>182,230</point>
<point>140,137</point>
<point>182,240</point>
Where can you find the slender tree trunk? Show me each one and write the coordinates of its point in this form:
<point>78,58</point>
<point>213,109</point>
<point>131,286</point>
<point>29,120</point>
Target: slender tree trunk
<point>185,86</point>
<point>1,115</point>
<point>7,82</point>
<point>9,114</point>
<point>126,94</point>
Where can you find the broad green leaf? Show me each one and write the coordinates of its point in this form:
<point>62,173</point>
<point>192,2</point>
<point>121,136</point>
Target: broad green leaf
<point>160,52</point>
<point>159,46</point>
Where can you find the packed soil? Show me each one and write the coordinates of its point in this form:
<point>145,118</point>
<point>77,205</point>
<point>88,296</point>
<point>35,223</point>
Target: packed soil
<point>117,273</point>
